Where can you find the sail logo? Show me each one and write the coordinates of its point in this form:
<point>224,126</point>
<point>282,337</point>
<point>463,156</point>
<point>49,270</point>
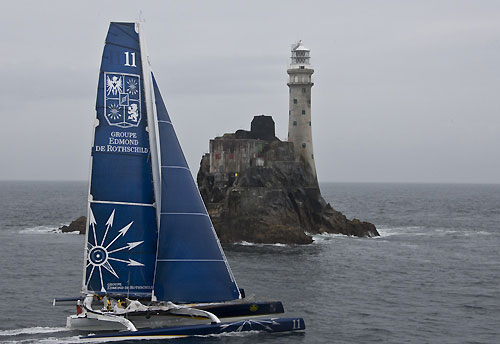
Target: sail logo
<point>101,253</point>
<point>122,99</point>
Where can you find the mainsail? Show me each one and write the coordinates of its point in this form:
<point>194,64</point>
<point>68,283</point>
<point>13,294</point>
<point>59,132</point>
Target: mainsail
<point>121,236</point>
<point>149,233</point>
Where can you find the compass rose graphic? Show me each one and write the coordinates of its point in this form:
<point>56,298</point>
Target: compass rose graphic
<point>100,253</point>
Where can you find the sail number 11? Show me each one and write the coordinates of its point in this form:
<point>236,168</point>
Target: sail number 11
<point>128,57</point>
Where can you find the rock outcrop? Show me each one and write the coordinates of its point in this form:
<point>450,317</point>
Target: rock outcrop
<point>79,225</point>
<point>274,203</point>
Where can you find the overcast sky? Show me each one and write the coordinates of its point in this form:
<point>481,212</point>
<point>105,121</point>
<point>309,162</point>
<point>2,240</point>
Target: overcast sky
<point>405,91</point>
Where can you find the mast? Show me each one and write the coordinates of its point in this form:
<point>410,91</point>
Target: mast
<point>154,139</point>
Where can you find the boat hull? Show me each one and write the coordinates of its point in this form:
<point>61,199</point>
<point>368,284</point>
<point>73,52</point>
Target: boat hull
<point>230,311</point>
<point>248,325</point>
<point>75,322</point>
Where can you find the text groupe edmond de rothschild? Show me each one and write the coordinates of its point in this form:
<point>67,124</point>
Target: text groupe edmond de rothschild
<point>122,142</point>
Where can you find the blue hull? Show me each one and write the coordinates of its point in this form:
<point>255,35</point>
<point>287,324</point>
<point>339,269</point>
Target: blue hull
<point>262,325</point>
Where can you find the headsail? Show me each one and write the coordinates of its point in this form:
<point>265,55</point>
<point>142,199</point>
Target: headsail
<point>121,237</point>
<point>191,266</point>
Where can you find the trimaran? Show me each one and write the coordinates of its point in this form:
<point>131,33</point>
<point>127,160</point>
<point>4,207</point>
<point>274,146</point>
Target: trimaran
<point>153,265</point>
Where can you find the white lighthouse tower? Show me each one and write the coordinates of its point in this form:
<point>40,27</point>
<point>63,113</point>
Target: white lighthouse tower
<point>299,114</point>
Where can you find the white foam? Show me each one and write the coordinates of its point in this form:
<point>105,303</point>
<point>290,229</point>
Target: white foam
<point>481,233</point>
<point>470,233</point>
<point>32,330</point>
<point>45,230</point>
<point>63,340</point>
<point>319,238</point>
<point>40,230</point>
<point>246,243</point>
<point>48,340</point>
<point>386,231</point>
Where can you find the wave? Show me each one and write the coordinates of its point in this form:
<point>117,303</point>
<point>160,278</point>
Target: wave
<point>318,238</point>
<point>246,243</point>
<point>51,340</point>
<point>387,231</point>
<point>30,335</point>
<point>65,340</point>
<point>32,330</point>
<point>44,230</point>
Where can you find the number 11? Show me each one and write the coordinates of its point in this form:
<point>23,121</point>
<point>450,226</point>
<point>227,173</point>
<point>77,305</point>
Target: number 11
<point>127,59</point>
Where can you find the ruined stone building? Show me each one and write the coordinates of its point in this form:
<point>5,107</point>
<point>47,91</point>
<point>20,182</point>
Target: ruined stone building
<point>233,153</point>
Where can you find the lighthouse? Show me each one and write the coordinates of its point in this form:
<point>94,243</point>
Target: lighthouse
<point>299,114</point>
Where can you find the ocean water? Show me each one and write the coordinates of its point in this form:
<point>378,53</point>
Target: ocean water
<point>432,277</point>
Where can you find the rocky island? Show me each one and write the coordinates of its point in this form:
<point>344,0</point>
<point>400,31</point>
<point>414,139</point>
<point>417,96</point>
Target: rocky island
<point>257,191</point>
<point>77,225</point>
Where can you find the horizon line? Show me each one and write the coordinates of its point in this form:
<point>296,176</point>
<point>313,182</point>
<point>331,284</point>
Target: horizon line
<point>320,182</point>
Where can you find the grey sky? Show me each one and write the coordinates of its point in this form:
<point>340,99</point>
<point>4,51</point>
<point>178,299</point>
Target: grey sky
<point>405,91</point>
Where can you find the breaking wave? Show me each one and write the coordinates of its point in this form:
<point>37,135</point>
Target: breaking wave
<point>246,243</point>
<point>388,231</point>
<point>319,238</point>
<point>32,330</point>
<point>49,340</point>
<point>44,230</point>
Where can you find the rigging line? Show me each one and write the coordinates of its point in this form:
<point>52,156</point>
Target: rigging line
<point>90,276</point>
<point>163,121</point>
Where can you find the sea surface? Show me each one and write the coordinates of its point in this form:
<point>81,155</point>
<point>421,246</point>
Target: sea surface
<point>432,277</point>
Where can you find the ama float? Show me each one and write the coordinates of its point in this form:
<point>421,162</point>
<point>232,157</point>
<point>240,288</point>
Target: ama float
<point>153,265</point>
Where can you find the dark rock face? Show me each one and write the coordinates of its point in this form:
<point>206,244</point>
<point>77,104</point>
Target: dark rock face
<point>79,225</point>
<point>276,203</point>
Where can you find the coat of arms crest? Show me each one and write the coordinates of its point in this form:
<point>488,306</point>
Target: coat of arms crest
<point>122,99</point>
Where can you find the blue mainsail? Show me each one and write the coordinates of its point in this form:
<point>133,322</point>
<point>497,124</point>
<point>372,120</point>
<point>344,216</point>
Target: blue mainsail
<point>121,236</point>
<point>149,233</point>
